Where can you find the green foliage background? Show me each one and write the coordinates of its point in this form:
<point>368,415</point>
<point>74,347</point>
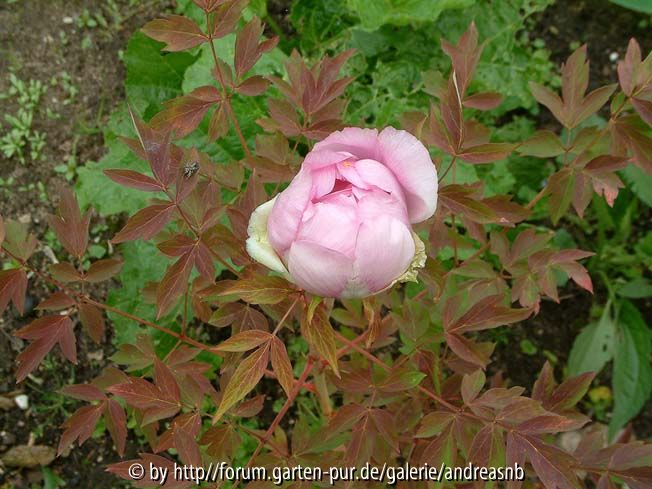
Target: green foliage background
<point>398,52</point>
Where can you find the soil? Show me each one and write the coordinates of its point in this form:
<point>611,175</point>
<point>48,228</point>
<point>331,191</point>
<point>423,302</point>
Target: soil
<point>42,39</point>
<point>279,10</point>
<point>605,27</point>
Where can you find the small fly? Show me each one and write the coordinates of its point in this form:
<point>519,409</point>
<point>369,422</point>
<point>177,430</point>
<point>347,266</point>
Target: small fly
<point>190,169</point>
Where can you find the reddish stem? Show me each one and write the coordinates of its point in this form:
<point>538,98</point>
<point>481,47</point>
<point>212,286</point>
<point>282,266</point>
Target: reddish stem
<point>225,96</point>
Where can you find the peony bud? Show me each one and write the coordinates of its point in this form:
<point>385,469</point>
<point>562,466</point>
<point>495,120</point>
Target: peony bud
<point>342,228</point>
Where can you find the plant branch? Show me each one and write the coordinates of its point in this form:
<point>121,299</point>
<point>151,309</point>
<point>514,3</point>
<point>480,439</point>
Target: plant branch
<point>448,168</point>
<point>198,236</point>
<point>225,96</point>
<point>372,358</point>
<point>181,337</point>
<point>310,364</point>
<point>290,400</point>
<point>285,316</point>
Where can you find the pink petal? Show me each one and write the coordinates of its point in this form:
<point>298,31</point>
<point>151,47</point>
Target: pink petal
<point>373,204</point>
<point>362,143</point>
<point>384,251</point>
<point>319,270</point>
<point>348,171</point>
<point>317,159</point>
<point>333,223</point>
<point>323,181</point>
<point>374,173</point>
<point>410,162</point>
<point>285,217</point>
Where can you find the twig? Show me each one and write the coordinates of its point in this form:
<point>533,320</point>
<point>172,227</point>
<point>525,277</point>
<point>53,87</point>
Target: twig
<point>285,316</point>
<point>286,406</point>
<point>225,96</point>
<point>198,235</point>
<point>448,168</point>
<point>372,358</point>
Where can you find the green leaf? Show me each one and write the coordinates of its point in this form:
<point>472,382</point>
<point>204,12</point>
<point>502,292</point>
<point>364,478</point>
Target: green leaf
<point>244,341</point>
<point>632,375</point>
<point>497,177</point>
<point>401,12</point>
<point>593,347</point>
<point>246,376</point>
<point>95,189</point>
<point>543,144</point>
<point>433,423</point>
<point>639,182</point>
<point>636,289</point>
<point>51,480</point>
<point>142,263</point>
<point>487,153</point>
<point>472,384</point>
<point>152,76</point>
<point>401,379</point>
<point>639,5</point>
<point>464,173</point>
<point>318,22</point>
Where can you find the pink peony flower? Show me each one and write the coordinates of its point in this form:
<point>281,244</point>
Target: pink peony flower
<point>342,228</point>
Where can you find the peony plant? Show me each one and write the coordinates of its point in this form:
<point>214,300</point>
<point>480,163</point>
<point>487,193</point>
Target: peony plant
<point>343,226</point>
<point>393,373</point>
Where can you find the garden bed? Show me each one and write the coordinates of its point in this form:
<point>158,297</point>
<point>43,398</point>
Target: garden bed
<point>84,60</point>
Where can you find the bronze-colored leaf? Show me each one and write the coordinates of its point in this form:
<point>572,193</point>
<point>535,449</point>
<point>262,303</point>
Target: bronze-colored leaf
<point>259,289</point>
<point>102,270</point>
<point>70,226</point>
<point>176,31</point>
<point>281,365</point>
<point>133,179</point>
<point>92,321</point>
<point>244,379</point>
<point>145,223</point>
<point>320,335</point>
<point>44,333</point>
<point>244,341</point>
